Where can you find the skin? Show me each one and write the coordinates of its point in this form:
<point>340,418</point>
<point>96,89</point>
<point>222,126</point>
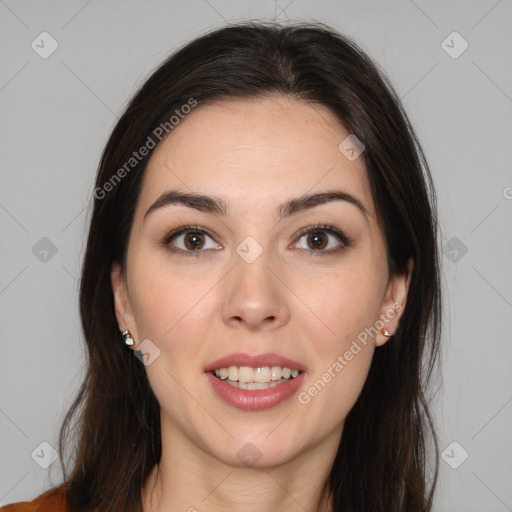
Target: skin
<point>255,155</point>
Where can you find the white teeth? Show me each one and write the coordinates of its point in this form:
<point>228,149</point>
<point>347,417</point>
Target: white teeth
<point>245,374</point>
<point>259,375</point>
<point>276,372</point>
<point>233,373</point>
<point>262,374</point>
<point>255,385</point>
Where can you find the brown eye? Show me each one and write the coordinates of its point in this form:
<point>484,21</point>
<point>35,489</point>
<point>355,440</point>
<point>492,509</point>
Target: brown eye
<point>189,240</point>
<point>322,240</point>
<point>194,240</point>
<point>317,240</point>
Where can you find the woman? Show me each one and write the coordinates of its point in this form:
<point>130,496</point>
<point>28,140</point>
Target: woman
<point>264,241</point>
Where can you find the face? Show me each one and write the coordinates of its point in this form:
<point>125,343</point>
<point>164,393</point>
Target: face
<point>255,276</point>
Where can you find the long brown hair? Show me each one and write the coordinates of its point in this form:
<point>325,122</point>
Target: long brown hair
<point>113,426</point>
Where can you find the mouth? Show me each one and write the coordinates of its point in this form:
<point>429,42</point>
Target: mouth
<point>255,382</point>
<point>261,377</point>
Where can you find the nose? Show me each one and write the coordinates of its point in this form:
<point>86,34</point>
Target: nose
<point>254,297</point>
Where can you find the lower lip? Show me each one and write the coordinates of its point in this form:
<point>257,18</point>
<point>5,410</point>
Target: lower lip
<point>257,399</point>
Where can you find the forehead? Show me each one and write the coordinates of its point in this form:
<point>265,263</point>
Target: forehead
<point>259,150</point>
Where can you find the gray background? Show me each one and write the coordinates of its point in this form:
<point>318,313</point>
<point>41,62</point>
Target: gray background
<point>56,114</point>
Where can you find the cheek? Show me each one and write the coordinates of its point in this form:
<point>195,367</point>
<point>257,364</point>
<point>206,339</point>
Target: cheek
<point>170,307</point>
<point>346,306</point>
<point>342,360</point>
<point>331,395</point>
<point>345,303</point>
<point>334,385</point>
<point>158,293</point>
<point>169,310</point>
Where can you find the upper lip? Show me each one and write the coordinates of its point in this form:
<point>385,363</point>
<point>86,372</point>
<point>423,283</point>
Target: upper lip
<point>256,361</point>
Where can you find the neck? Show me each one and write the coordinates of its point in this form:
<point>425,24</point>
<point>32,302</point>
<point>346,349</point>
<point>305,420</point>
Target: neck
<point>191,479</point>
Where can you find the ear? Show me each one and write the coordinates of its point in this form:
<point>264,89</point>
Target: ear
<point>122,306</point>
<point>394,302</point>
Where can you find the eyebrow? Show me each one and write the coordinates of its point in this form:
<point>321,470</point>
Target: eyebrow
<point>216,205</point>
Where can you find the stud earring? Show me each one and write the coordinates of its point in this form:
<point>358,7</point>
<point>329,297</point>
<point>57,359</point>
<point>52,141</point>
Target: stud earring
<point>127,338</point>
<point>386,333</point>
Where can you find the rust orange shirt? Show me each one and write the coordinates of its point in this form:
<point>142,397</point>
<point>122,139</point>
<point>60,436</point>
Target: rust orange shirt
<point>53,500</point>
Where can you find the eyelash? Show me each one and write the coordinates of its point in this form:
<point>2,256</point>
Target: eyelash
<point>340,235</point>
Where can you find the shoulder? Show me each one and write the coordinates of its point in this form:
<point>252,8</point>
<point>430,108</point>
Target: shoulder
<point>53,500</point>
